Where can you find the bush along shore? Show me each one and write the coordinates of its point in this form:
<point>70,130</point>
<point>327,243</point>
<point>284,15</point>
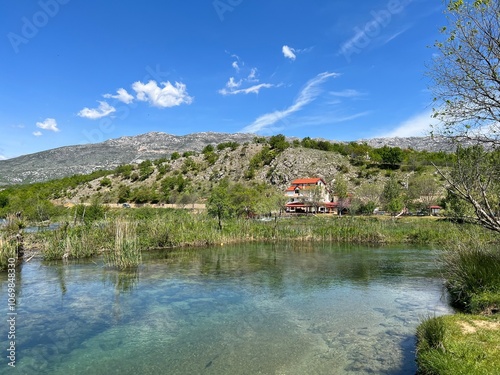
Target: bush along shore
<point>468,342</point>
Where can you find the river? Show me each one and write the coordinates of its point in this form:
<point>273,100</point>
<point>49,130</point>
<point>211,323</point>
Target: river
<point>246,309</point>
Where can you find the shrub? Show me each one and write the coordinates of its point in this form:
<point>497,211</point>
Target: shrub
<point>105,182</point>
<point>472,274</point>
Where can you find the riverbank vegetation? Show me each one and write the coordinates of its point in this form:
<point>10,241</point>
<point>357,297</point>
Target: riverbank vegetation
<point>459,344</point>
<point>170,228</point>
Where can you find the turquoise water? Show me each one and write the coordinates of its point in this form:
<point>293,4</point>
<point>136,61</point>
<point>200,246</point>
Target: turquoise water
<point>253,309</point>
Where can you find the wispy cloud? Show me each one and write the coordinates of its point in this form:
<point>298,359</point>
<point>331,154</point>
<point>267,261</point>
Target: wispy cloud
<point>328,118</point>
<point>103,110</point>
<point>395,35</point>
<point>231,90</point>
<point>288,52</point>
<point>349,93</point>
<point>307,95</point>
<point>416,126</point>
<point>234,85</point>
<point>122,95</point>
<point>162,97</point>
<point>38,133</point>
<point>48,124</point>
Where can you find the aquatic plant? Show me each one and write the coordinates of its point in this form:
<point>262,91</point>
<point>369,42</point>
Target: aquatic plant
<point>125,253</point>
<point>8,246</point>
<point>72,242</point>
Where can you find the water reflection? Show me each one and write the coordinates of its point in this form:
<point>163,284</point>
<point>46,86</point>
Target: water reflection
<point>271,309</point>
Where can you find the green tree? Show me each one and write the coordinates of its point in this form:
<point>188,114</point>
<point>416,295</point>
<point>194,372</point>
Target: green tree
<point>340,191</point>
<point>278,142</point>
<point>208,149</point>
<point>392,156</point>
<point>123,193</point>
<point>392,195</point>
<point>219,202</point>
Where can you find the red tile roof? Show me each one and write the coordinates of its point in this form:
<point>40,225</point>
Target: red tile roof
<point>305,181</point>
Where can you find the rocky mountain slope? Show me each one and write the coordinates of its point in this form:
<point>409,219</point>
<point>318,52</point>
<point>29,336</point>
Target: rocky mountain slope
<point>83,159</point>
<point>233,164</point>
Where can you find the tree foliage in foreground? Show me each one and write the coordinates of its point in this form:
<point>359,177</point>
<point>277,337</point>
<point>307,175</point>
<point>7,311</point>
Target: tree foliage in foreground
<point>465,72</point>
<point>475,178</point>
<point>466,85</point>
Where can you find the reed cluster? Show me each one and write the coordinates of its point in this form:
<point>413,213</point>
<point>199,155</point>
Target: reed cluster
<point>125,253</point>
<point>8,246</point>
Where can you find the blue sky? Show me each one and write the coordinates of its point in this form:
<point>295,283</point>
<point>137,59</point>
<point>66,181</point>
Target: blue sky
<point>75,71</point>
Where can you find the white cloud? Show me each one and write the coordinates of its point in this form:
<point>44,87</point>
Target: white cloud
<point>3,157</point>
<point>162,97</point>
<point>122,95</point>
<point>416,126</point>
<point>288,52</point>
<point>103,110</point>
<point>48,124</point>
<point>252,76</point>
<point>249,90</point>
<point>232,84</point>
<point>37,133</point>
<point>308,94</point>
<point>349,93</point>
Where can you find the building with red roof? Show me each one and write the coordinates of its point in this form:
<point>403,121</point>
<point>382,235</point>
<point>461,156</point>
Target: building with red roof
<point>309,195</point>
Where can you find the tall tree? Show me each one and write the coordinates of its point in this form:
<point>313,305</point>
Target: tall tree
<point>466,71</point>
<point>466,85</point>
<point>340,190</point>
<point>219,202</point>
<point>392,195</point>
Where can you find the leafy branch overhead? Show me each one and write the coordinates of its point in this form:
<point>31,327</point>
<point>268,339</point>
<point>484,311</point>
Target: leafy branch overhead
<point>465,73</point>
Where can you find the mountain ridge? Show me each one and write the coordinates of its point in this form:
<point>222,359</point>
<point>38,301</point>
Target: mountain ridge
<point>83,159</point>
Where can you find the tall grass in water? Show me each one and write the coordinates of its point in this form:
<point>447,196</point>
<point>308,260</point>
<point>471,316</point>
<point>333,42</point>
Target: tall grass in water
<point>8,247</point>
<point>472,273</point>
<point>125,254</point>
<point>76,242</point>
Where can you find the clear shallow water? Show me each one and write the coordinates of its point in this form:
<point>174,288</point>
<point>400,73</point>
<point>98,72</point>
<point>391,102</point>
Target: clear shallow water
<point>253,309</point>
